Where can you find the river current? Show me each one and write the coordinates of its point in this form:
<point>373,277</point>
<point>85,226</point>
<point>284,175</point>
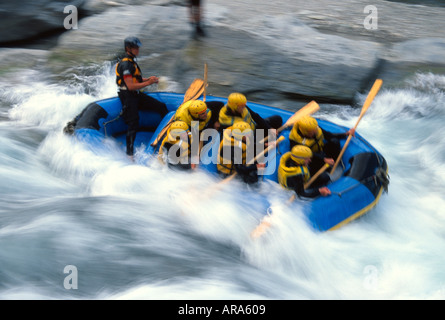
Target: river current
<point>133,231</point>
<point>77,224</point>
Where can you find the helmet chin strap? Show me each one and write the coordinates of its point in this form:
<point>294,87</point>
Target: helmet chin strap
<point>128,51</point>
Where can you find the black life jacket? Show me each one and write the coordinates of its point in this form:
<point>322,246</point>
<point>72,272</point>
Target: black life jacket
<point>137,75</point>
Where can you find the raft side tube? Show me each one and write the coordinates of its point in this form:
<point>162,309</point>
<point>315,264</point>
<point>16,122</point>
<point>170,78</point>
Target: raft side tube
<point>90,116</point>
<point>353,195</point>
<point>347,200</point>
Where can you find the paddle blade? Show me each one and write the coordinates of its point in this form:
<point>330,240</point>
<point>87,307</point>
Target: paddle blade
<point>267,221</point>
<point>163,132</point>
<point>308,109</point>
<point>261,228</point>
<point>195,90</point>
<point>371,95</point>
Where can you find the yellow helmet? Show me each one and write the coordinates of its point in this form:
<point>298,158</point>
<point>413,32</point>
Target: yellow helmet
<point>300,153</point>
<point>179,126</point>
<point>197,107</point>
<point>176,130</point>
<point>307,124</point>
<point>235,100</point>
<point>241,129</point>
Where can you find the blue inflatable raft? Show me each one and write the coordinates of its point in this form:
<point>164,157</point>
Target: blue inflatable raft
<point>355,190</point>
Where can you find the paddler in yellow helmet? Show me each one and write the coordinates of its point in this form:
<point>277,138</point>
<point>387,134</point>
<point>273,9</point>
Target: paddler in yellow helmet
<point>175,149</point>
<point>325,145</point>
<point>293,173</point>
<point>236,109</point>
<point>198,110</point>
<point>233,153</point>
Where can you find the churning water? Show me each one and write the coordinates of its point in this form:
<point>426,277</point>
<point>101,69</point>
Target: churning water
<point>139,231</point>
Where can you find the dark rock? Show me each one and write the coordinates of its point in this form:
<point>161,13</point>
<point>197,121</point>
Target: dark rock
<point>29,19</point>
<point>294,50</point>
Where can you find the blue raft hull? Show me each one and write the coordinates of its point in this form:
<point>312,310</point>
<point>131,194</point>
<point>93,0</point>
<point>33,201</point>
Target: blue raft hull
<point>354,193</point>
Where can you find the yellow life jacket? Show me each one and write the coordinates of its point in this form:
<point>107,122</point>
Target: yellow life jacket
<point>285,172</point>
<point>184,147</point>
<point>137,75</point>
<point>227,118</point>
<point>183,114</point>
<point>315,144</point>
<point>225,165</point>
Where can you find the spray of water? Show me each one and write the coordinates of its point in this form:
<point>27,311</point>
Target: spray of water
<point>394,252</point>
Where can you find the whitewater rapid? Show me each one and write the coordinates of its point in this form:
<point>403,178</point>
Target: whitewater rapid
<point>139,231</point>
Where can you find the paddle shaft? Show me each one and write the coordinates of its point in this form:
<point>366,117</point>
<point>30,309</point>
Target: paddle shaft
<point>316,175</point>
<point>205,82</point>
<point>266,150</point>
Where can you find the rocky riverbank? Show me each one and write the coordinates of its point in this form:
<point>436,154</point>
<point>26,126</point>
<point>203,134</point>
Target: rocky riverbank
<point>291,50</point>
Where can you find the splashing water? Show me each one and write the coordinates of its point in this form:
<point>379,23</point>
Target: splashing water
<point>144,232</point>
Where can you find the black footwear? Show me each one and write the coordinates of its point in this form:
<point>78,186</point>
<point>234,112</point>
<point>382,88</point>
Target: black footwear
<point>195,34</point>
<point>199,31</point>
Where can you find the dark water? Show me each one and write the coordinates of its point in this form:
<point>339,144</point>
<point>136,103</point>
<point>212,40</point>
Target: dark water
<point>432,3</point>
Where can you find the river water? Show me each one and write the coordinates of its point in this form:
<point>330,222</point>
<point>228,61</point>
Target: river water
<point>77,224</point>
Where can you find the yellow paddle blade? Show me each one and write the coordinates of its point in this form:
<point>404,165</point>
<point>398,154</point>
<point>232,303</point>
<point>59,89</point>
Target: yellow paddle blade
<point>308,109</point>
<point>266,223</point>
<point>261,228</point>
<point>371,95</point>
<point>163,132</point>
<point>194,91</point>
